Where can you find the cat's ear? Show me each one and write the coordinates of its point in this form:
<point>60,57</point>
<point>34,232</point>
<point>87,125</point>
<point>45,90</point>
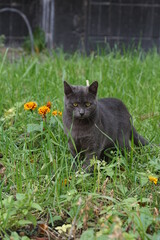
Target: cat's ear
<point>67,88</point>
<point>93,88</point>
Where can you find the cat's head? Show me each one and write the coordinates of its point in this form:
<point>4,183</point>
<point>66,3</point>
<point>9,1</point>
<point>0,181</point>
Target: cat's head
<point>80,101</point>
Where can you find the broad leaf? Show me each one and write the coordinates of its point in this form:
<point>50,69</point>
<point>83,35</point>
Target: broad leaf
<point>24,222</point>
<point>34,128</point>
<point>88,235</point>
<point>36,206</point>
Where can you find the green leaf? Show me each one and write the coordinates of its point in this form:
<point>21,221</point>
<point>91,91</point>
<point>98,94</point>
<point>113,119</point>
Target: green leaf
<point>156,236</point>
<point>110,172</point>
<point>56,218</point>
<point>146,217</point>
<point>143,180</point>
<point>8,201</point>
<point>130,202</point>
<point>34,127</point>
<point>25,211</point>
<point>88,235</point>
<point>20,196</point>
<point>128,236</point>
<point>15,236</point>
<point>31,218</point>
<point>123,189</point>
<point>25,238</point>
<point>36,206</point>
<point>52,121</point>
<point>102,237</point>
<point>24,222</point>
<point>145,200</point>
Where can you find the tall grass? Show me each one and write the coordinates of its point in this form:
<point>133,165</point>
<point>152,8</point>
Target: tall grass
<point>38,166</point>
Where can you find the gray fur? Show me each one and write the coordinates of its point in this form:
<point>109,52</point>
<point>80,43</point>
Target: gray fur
<point>102,125</point>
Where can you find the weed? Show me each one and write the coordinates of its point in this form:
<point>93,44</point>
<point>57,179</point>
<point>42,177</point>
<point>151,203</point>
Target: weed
<point>120,200</point>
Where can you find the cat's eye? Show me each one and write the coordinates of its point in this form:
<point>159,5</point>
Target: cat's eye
<point>75,104</point>
<point>87,104</point>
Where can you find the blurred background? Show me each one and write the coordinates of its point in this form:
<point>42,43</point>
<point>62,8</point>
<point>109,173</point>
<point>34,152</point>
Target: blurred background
<point>80,24</point>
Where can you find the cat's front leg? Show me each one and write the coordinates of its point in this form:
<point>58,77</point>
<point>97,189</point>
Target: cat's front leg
<point>72,150</point>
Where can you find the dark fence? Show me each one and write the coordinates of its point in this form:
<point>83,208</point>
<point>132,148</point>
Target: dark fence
<point>84,24</point>
<point>123,22</point>
<point>12,24</point>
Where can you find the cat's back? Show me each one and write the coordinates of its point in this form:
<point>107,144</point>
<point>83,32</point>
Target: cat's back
<point>113,106</point>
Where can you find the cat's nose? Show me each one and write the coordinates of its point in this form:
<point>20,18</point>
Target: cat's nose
<point>81,112</point>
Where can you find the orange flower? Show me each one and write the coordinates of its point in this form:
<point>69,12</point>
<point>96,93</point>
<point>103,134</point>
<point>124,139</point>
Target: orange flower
<point>48,105</point>
<point>55,113</point>
<point>153,179</point>
<point>30,106</point>
<point>43,110</point>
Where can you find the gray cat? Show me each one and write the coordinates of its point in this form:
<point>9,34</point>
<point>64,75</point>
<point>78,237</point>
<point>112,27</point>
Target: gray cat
<point>93,126</point>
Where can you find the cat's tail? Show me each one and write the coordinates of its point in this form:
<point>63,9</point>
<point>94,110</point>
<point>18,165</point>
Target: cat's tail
<point>137,138</point>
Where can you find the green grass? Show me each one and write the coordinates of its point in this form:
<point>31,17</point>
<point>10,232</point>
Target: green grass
<point>37,182</point>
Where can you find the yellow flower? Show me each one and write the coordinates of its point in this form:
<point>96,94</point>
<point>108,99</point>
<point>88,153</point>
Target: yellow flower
<point>30,105</point>
<point>153,179</point>
<point>43,110</point>
<point>55,113</point>
<point>59,113</point>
